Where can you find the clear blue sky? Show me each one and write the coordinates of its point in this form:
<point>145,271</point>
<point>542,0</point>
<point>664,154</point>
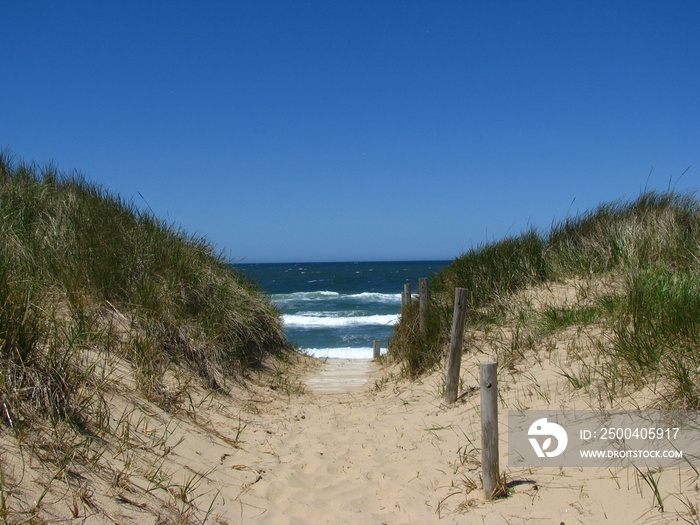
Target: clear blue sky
<point>356,130</point>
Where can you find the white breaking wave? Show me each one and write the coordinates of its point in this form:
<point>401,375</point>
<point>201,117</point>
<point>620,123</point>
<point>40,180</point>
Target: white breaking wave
<point>377,297</point>
<point>319,321</point>
<point>342,353</point>
<point>323,295</point>
<point>304,296</point>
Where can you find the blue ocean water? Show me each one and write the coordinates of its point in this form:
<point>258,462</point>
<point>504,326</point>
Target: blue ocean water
<point>337,310</point>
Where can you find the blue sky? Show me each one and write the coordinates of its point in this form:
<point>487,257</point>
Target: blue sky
<point>365,130</point>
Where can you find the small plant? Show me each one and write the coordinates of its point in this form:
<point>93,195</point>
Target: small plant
<point>501,490</point>
<point>4,512</point>
<point>691,516</point>
<point>239,430</point>
<point>380,384</point>
<point>559,318</point>
<point>653,483</point>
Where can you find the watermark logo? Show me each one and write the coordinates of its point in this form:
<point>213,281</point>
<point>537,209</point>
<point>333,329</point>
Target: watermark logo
<point>603,438</point>
<point>543,428</point>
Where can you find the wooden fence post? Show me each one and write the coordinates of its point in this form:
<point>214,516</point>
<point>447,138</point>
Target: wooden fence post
<point>455,359</point>
<point>423,304</point>
<point>377,348</point>
<point>406,295</point>
<point>488,374</point>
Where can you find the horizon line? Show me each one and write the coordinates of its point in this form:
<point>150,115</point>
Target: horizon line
<point>243,261</point>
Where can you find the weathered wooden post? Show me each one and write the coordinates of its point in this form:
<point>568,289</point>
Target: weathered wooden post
<point>455,359</point>
<point>423,303</point>
<point>377,348</point>
<point>406,295</point>
<point>488,375</point>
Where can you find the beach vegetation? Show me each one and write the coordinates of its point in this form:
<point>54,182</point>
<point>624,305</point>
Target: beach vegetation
<point>99,299</point>
<point>635,266</point>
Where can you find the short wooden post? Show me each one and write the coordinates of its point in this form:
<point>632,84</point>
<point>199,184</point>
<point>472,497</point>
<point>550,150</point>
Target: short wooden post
<point>423,303</point>
<point>377,348</point>
<point>488,374</point>
<point>406,295</point>
<point>455,359</point>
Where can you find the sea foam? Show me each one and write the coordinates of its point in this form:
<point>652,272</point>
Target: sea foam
<point>329,321</point>
<point>342,353</point>
<point>325,295</point>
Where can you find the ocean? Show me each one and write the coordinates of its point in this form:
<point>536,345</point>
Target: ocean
<point>337,310</point>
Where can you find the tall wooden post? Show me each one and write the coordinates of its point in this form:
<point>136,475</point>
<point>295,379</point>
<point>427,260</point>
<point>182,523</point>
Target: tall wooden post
<point>488,375</point>
<point>406,296</point>
<point>455,359</point>
<point>377,348</point>
<point>423,303</point>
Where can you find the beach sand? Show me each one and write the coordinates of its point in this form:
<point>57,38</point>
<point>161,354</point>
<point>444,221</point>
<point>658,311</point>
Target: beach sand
<point>344,442</point>
<point>391,452</point>
<point>398,455</point>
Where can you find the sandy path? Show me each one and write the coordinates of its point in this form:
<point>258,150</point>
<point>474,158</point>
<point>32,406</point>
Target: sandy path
<point>349,455</point>
<point>390,452</point>
<point>341,375</point>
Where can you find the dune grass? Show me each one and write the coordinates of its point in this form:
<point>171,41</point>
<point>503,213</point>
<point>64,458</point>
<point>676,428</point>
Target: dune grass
<point>83,274</point>
<point>103,305</point>
<point>650,246</point>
